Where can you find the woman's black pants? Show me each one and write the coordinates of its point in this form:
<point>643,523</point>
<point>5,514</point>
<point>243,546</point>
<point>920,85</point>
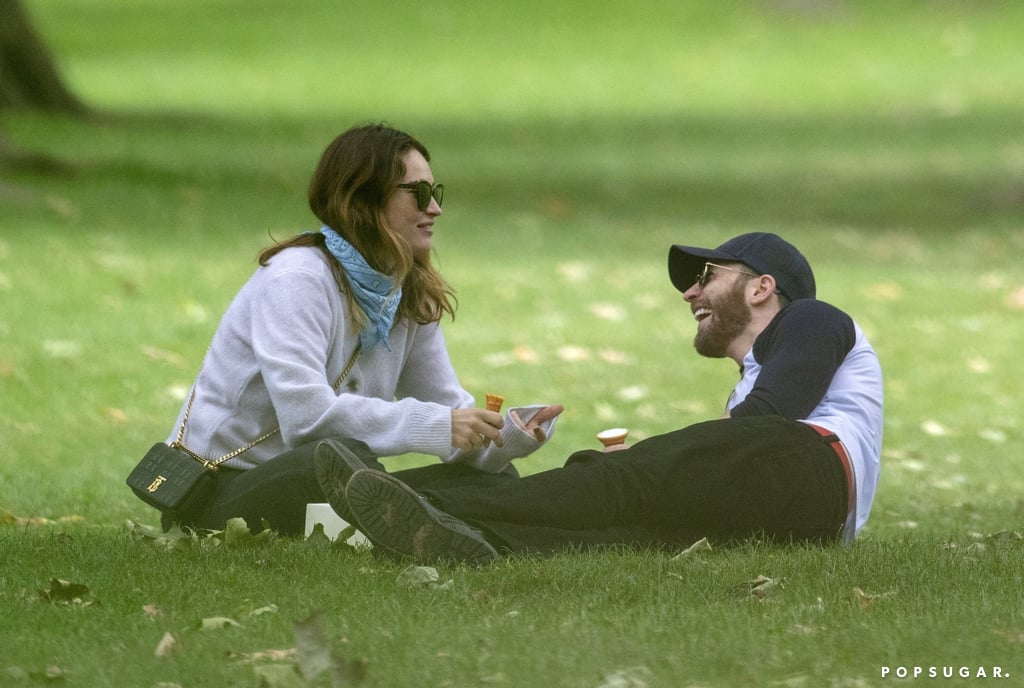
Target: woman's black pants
<point>276,492</point>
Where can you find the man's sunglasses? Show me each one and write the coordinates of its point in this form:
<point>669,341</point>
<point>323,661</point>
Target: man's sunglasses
<point>705,275</point>
<point>424,192</point>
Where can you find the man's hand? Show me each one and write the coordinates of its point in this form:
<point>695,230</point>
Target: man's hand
<point>474,427</point>
<point>532,425</point>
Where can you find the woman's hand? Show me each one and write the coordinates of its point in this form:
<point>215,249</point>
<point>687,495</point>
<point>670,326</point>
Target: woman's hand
<point>473,428</point>
<point>533,425</point>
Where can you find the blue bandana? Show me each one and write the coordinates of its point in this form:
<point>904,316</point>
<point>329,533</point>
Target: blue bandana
<point>375,293</point>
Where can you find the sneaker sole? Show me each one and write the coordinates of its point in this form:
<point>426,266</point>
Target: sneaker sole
<point>396,519</point>
<point>335,464</point>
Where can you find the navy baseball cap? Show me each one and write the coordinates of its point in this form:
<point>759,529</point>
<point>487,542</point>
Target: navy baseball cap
<point>766,253</point>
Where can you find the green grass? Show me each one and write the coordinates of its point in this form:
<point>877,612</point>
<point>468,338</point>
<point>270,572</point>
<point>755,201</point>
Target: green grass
<point>885,139</point>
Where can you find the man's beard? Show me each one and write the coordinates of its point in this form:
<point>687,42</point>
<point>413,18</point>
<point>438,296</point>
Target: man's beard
<point>727,321</point>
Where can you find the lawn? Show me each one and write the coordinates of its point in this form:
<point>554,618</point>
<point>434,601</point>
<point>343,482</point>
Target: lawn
<point>576,144</point>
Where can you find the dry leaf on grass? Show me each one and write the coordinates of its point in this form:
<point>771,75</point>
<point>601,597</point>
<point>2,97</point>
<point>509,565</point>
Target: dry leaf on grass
<point>168,645</point>
<point>266,609</point>
<point>1015,637</point>
<point>867,600</point>
<point>64,591</point>
<point>9,519</point>
<point>278,676</point>
<point>217,623</point>
<point>425,576</point>
<point>630,677</point>
<point>316,656</point>
<point>763,586</point>
<point>278,655</point>
<point>701,545</point>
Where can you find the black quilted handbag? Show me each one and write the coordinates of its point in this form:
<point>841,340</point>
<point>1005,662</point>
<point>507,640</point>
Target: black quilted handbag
<point>171,480</point>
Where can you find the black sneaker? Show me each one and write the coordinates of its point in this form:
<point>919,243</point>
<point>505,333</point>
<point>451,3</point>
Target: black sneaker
<point>398,520</point>
<point>335,462</point>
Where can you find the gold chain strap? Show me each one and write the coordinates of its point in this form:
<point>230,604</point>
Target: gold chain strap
<point>212,465</point>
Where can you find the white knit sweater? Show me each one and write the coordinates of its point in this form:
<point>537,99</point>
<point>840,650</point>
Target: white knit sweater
<point>281,344</point>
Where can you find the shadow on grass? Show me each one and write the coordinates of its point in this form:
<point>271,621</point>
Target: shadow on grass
<point>904,170</point>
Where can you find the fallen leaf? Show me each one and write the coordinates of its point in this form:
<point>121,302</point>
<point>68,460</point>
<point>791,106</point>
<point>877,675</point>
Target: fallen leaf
<point>317,536</point>
<point>630,677</point>
<point>499,359</point>
<point>571,353</point>
<point>608,311</point>
<point>863,599</point>
<point>884,292</point>
<point>423,576</point>
<point>574,272</point>
<point>979,364</point>
<point>51,674</point>
<point>346,534</point>
<point>9,519</point>
<point>236,533</point>
<point>163,355</point>
<point>312,648</point>
<point>763,586</point>
<point>867,600</point>
<point>1006,536</point>
<point>151,610</point>
<point>1016,298</point>
<point>263,655</point>
<point>316,656</point>
<point>554,207</point>
<point>935,428</point>
<point>268,609</point>
<point>993,435</point>
<point>802,629</point>
<point>524,354</point>
<point>278,676</point>
<point>613,356</point>
<point>63,591</point>
<point>57,348</point>
<point>175,538</point>
<point>217,623</point>
<point>701,545</point>
<point>167,645</point>
<point>115,415</point>
<point>633,393</point>
<point>418,575</point>
<point>498,677</point>
<point>1015,637</point>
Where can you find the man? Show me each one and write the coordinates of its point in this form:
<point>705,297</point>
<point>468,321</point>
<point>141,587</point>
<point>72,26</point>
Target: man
<point>794,458</point>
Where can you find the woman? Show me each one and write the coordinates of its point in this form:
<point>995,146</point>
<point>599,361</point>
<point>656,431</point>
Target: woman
<point>336,337</point>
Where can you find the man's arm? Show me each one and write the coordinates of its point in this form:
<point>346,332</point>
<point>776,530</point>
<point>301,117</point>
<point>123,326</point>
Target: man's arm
<point>799,353</point>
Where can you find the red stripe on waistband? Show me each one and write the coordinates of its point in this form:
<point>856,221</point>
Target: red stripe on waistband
<point>840,450</point>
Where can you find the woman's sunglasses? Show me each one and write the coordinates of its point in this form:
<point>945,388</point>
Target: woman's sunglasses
<point>424,192</point>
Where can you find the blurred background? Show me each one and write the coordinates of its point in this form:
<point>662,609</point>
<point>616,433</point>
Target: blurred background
<point>576,143</point>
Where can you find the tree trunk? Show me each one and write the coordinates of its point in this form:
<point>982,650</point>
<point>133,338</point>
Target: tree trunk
<point>28,76</point>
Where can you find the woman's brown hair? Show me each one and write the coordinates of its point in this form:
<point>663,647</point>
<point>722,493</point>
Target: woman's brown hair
<point>356,175</point>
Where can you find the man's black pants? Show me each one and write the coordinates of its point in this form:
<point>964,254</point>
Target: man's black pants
<point>726,480</point>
